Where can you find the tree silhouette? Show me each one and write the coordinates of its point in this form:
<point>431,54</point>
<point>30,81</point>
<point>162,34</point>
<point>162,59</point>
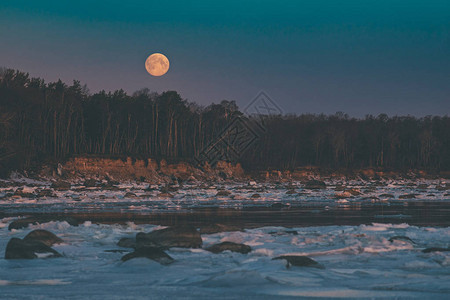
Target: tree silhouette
<point>49,122</point>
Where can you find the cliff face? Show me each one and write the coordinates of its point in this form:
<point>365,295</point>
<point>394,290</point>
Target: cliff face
<point>148,170</point>
<point>156,172</point>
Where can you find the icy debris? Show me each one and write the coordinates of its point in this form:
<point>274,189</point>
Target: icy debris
<point>357,259</point>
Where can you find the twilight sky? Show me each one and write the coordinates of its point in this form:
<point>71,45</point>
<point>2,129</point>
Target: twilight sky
<point>360,57</point>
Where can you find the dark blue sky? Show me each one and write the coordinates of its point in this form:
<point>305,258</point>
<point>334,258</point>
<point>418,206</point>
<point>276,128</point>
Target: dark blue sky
<point>359,57</point>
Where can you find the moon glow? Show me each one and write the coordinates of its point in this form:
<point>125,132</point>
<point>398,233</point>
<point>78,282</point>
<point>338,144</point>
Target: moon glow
<point>157,64</point>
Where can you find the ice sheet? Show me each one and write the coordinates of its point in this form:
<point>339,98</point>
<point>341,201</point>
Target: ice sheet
<point>359,262</point>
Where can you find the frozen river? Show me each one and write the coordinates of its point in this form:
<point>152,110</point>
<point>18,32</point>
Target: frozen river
<point>345,227</point>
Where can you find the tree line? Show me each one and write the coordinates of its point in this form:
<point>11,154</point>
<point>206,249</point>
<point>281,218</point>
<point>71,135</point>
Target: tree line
<point>49,122</point>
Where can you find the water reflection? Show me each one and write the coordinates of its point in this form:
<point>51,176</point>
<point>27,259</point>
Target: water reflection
<point>423,213</point>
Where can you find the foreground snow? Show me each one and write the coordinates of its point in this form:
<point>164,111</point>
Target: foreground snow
<point>359,262</point>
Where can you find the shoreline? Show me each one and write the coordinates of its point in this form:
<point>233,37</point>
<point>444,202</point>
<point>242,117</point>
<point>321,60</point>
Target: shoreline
<point>241,203</point>
<point>157,171</point>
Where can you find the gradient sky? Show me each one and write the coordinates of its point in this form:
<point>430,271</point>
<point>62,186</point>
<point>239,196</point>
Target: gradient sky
<point>360,57</point>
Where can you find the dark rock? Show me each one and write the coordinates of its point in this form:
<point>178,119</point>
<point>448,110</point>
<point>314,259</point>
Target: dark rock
<point>343,195</point>
<point>61,185</point>
<point>45,193</point>
<point>339,188</point>
<point>130,195</point>
<point>293,232</point>
<point>43,236</point>
<point>20,192</point>
<point>127,243</point>
<point>223,193</point>
<point>165,195</point>
<point>23,223</point>
<point>291,192</point>
<point>28,249</point>
<point>387,196</point>
<point>299,261</point>
<point>111,188</point>
<point>371,198</point>
<point>152,253</point>
<point>408,196</point>
<point>353,192</point>
<point>214,228</point>
<point>435,249</point>
<point>255,196</point>
<point>401,238</point>
<point>315,185</point>
<point>178,236</point>
<point>279,205</point>
<point>234,247</point>
<point>90,183</point>
<point>422,186</point>
<point>117,251</point>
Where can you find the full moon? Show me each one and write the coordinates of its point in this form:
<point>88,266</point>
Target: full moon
<point>157,64</point>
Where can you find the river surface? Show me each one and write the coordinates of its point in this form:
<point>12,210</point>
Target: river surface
<point>345,227</point>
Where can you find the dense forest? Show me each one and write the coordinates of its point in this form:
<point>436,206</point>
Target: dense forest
<point>49,122</point>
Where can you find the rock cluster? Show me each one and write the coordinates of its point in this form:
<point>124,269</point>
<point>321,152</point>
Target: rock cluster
<point>230,246</point>
<point>152,245</point>
<point>37,244</point>
<point>299,261</point>
<point>315,185</point>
